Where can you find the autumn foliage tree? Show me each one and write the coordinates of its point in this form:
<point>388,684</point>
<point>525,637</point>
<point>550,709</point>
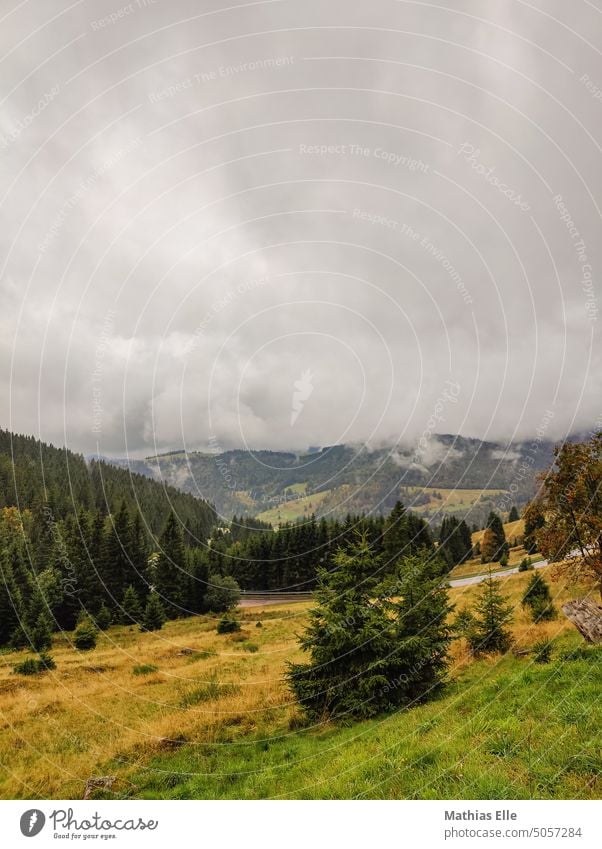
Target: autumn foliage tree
<point>571,502</point>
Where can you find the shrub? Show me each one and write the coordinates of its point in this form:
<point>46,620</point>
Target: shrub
<point>542,610</point>
<point>251,647</point>
<point>227,625</point>
<point>259,624</point>
<point>222,594</point>
<point>542,651</point>
<point>144,669</point>
<point>34,666</point>
<point>27,667</point>
<point>208,692</point>
<point>85,636</point>
<point>525,565</point>
<point>578,653</point>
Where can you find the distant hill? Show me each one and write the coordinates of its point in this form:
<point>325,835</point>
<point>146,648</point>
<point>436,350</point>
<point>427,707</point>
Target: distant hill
<point>453,474</point>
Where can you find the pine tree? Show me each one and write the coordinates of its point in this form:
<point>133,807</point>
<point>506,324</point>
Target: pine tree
<point>494,524</point>
<point>368,652</point>
<point>492,612</point>
<point>11,601</point>
<point>421,610</point>
<point>538,598</point>
<point>103,618</point>
<point>170,569</point>
<point>396,537</point>
<point>139,552</point>
<point>455,541</point>
<point>114,560</point>
<point>489,546</point>
<point>513,515</point>
<point>131,611</point>
<point>153,618</point>
<point>40,636</point>
<point>79,540</point>
<point>85,635</point>
<point>37,623</point>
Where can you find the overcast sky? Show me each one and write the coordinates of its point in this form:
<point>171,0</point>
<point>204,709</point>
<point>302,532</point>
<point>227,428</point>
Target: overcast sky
<point>297,222</point>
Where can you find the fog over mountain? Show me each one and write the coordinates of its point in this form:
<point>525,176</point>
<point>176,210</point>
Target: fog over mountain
<point>281,224</point>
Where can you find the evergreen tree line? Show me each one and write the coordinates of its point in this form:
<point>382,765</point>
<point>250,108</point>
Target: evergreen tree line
<point>106,568</point>
<point>291,558</point>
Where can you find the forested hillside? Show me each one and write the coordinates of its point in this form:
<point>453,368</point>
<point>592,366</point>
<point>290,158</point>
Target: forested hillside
<point>89,539</point>
<point>34,474</point>
<point>454,474</point>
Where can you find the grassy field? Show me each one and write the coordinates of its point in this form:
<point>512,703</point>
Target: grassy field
<point>448,500</point>
<point>513,530</point>
<point>294,505</point>
<point>186,713</point>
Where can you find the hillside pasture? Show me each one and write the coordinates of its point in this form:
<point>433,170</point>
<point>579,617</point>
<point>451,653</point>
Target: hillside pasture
<point>186,713</point>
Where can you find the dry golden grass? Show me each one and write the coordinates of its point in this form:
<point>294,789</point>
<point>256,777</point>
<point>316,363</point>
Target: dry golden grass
<point>514,531</point>
<point>60,728</point>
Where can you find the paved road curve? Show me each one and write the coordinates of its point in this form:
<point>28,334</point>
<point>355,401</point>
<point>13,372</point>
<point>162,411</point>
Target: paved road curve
<point>262,599</point>
<point>476,579</point>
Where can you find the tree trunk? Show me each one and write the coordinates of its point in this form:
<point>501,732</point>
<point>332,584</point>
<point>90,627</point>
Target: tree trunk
<point>586,616</point>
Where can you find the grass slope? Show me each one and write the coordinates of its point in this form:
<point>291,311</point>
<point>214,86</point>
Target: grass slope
<point>187,713</point>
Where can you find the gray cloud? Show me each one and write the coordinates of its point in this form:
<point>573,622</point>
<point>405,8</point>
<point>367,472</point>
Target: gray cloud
<point>202,203</point>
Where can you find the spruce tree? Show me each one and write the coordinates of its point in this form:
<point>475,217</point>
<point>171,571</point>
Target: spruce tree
<point>513,515</point>
<point>85,635</point>
<point>421,610</point>
<point>153,617</point>
<point>40,636</point>
<point>131,610</point>
<point>170,569</point>
<point>538,598</point>
<point>103,618</point>
<point>11,601</point>
<point>114,561</point>
<point>492,612</point>
<point>369,652</point>
<point>79,544</point>
<point>139,552</point>
<point>37,623</point>
<point>396,537</point>
<point>494,523</point>
<point>455,541</point>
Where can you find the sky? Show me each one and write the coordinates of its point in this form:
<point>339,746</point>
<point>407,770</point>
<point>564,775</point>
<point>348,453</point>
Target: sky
<point>286,224</point>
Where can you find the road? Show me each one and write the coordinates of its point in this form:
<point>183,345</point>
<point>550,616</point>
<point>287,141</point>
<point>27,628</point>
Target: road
<point>264,599</point>
<point>476,579</point>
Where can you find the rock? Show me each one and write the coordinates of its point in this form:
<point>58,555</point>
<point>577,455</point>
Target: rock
<point>586,616</point>
<point>102,781</point>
